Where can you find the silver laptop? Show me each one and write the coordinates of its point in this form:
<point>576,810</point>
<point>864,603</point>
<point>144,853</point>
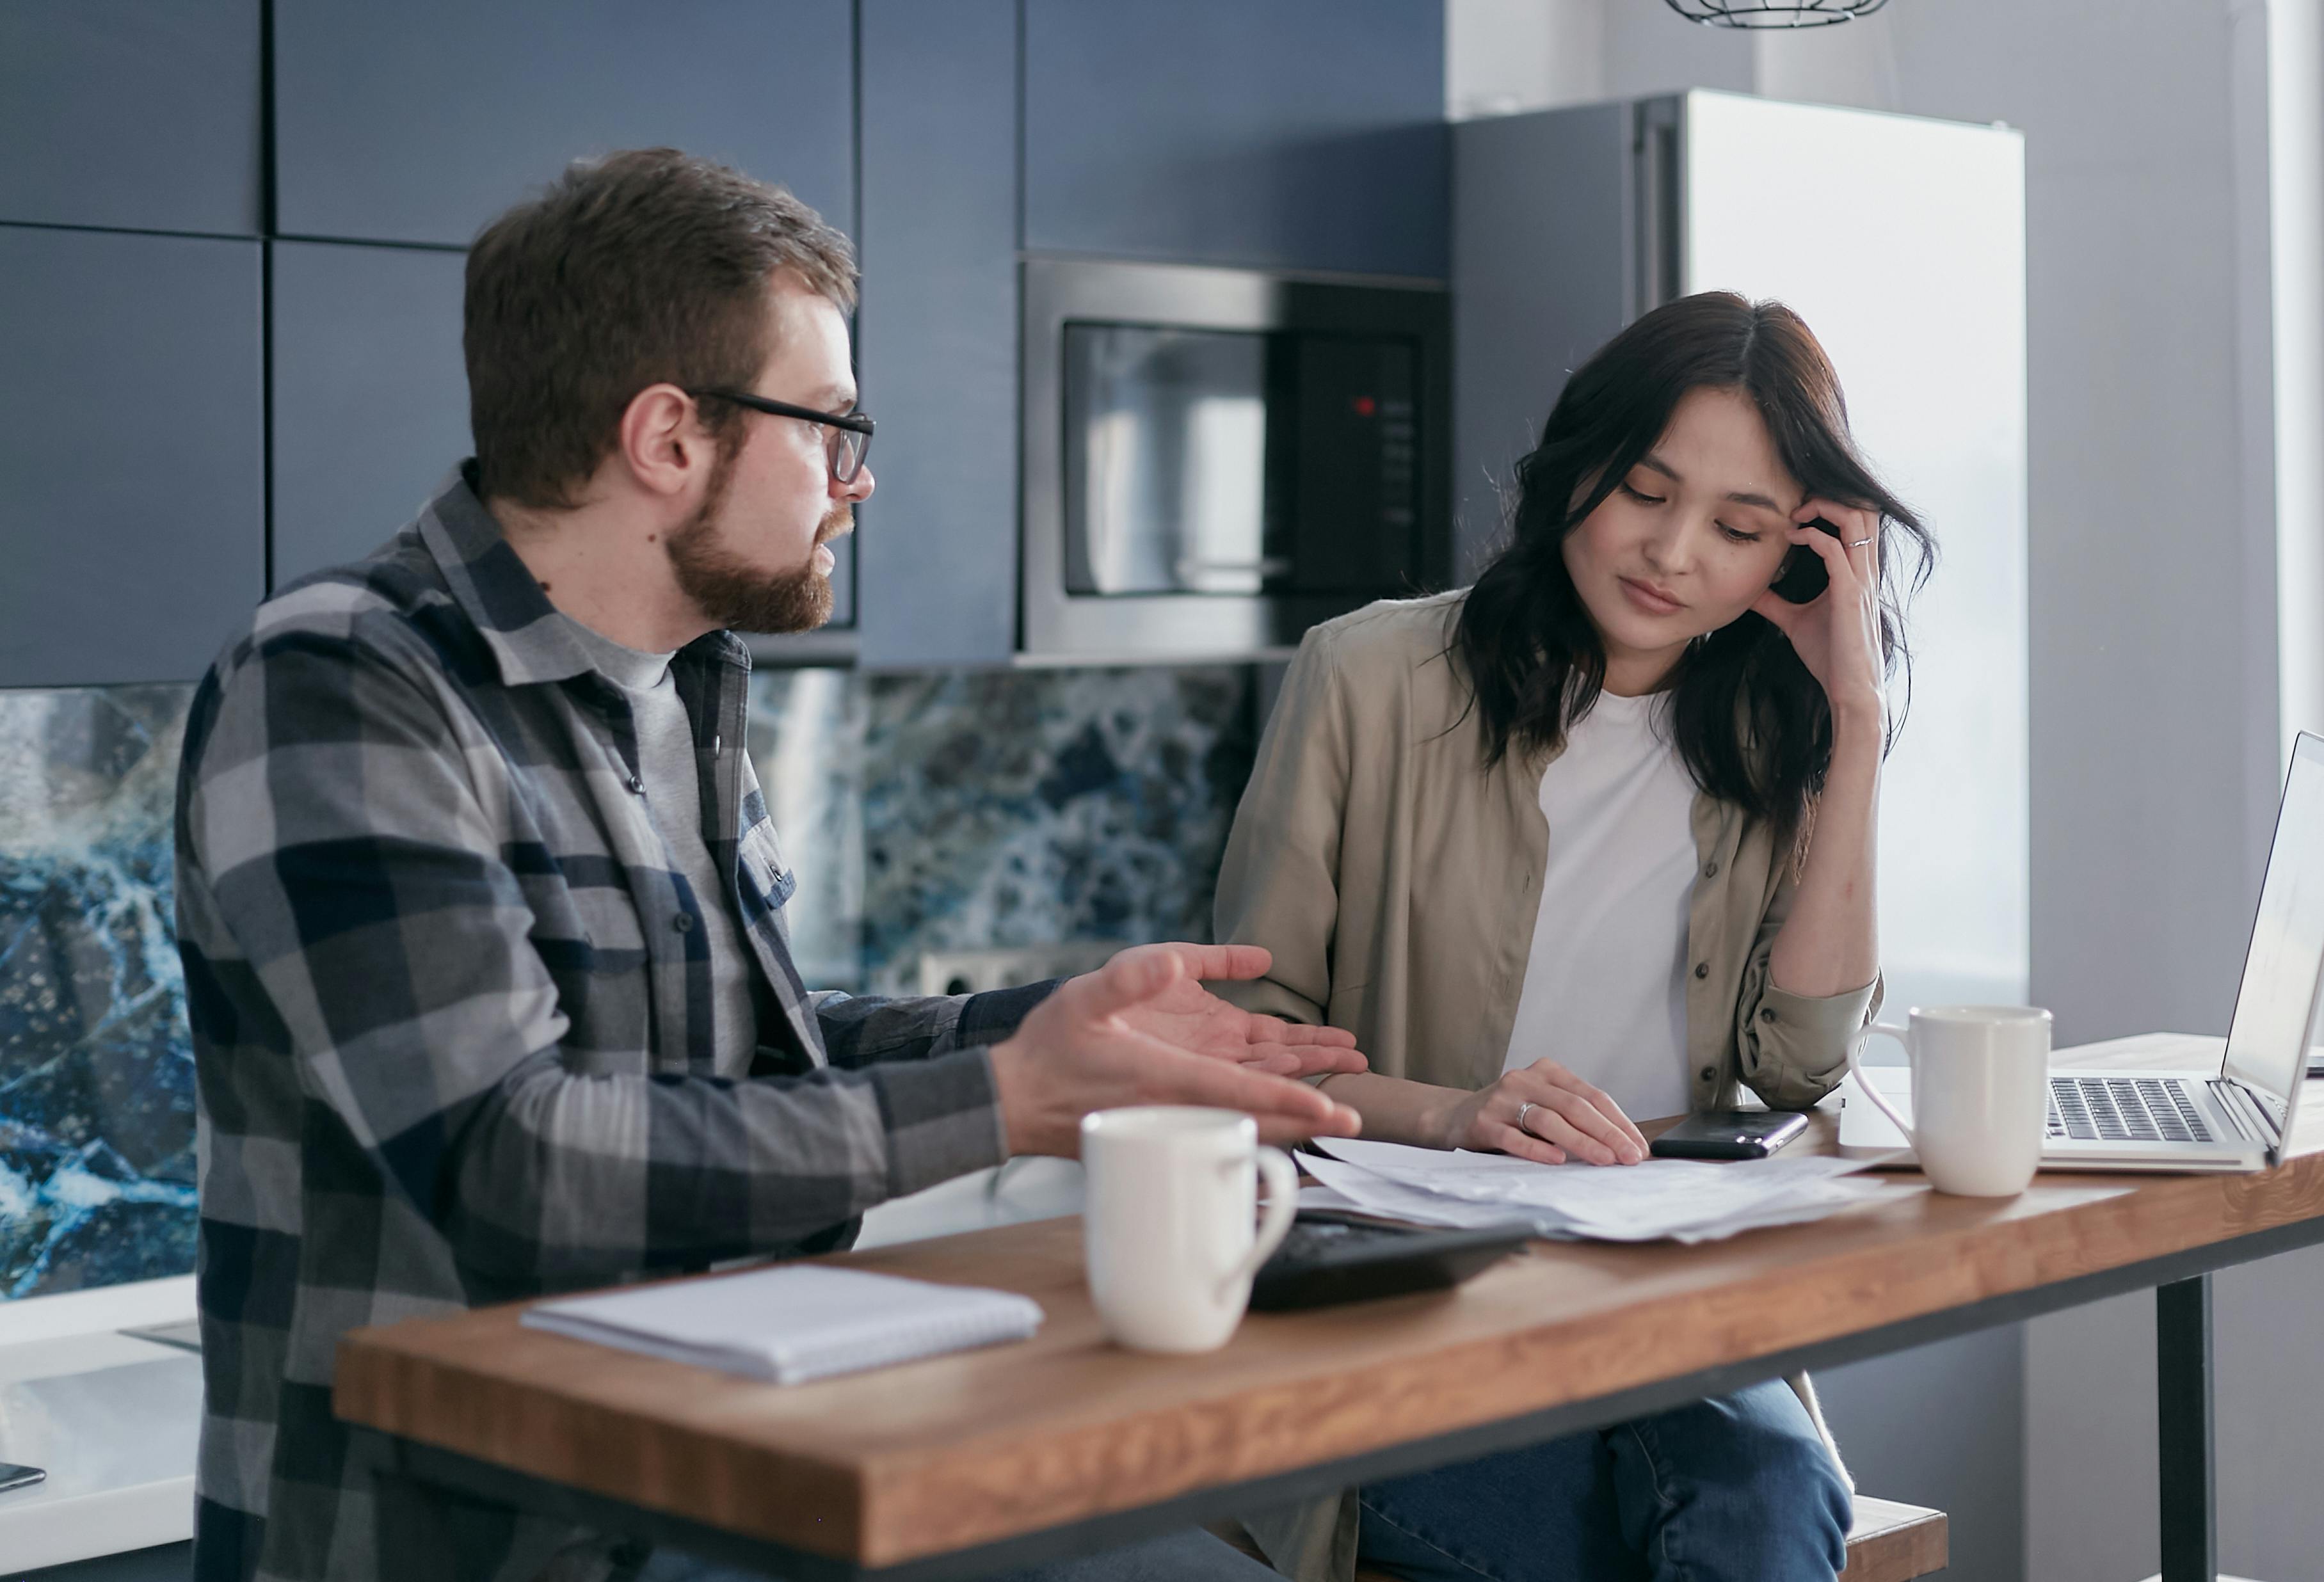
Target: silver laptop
<point>2231,1105</point>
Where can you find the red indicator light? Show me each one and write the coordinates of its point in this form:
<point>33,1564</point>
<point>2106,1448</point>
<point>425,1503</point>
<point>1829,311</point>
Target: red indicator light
<point>1364,406</point>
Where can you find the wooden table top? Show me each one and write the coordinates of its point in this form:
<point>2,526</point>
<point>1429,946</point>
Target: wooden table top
<point>904,1463</point>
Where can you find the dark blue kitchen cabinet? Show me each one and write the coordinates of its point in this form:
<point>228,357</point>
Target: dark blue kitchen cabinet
<point>132,438</point>
<point>936,335</point>
<point>371,396</point>
<point>129,114</point>
<point>420,120</point>
<point>1281,133</point>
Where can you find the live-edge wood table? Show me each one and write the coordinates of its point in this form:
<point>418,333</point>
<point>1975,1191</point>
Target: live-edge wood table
<point>987,1460</point>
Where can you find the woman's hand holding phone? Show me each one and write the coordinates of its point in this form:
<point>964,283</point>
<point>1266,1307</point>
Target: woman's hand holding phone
<point>1837,634</point>
<point>1563,1118</point>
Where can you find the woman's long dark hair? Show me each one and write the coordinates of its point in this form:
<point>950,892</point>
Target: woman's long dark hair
<point>1750,723</point>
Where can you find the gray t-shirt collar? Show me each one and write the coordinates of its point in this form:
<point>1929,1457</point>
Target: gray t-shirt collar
<point>632,669</point>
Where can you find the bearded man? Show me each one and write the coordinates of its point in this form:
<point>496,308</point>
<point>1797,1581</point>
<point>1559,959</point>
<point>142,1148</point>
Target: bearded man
<point>481,913</point>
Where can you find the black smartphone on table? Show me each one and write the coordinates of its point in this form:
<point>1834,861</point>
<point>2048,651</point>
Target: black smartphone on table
<point>1802,578</point>
<point>12,1476</point>
<point>1730,1134</point>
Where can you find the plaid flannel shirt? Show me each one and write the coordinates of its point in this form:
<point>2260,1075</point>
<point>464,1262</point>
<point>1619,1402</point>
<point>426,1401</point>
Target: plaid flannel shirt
<point>450,1004</point>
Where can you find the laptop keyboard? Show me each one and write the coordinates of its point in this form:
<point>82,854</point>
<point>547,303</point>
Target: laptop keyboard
<point>2124,1110</point>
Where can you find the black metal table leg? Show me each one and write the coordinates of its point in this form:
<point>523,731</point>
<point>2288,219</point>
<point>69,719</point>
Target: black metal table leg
<point>2182,1356</point>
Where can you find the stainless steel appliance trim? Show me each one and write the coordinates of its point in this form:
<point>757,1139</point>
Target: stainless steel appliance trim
<point>1660,259</point>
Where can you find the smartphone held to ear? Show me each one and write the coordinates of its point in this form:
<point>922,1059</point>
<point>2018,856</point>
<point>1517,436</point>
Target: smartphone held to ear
<point>1730,1134</point>
<point>1802,578</point>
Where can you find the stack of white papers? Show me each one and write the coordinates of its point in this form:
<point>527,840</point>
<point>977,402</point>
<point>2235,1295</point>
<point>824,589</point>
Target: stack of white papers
<point>1684,1200</point>
<point>791,1324</point>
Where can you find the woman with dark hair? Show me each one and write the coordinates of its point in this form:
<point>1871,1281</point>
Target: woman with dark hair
<point>1594,840</point>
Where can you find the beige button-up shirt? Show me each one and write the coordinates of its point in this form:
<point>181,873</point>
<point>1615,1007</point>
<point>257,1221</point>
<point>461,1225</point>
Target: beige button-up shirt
<point>1397,881</point>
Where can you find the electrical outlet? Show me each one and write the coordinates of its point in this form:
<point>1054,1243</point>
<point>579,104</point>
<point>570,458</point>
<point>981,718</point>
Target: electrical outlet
<point>976,972</point>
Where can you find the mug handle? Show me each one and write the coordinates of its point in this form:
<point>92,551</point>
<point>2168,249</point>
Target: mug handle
<point>1864,1084</point>
<point>1281,1178</point>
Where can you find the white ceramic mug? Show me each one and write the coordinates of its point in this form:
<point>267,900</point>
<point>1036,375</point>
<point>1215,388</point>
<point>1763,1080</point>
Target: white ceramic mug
<point>1166,1226</point>
<point>1981,1094</point>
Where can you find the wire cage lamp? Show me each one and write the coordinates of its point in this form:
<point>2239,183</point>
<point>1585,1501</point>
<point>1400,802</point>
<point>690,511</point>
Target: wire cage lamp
<point>1771,14</point>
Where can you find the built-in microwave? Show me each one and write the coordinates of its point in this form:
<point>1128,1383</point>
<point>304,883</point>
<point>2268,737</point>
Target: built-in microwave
<point>1215,459</point>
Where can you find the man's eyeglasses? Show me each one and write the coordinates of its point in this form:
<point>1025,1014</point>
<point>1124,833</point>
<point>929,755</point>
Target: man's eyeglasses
<point>849,434</point>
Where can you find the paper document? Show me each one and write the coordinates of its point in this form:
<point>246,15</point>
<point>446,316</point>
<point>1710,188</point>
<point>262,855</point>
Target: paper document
<point>1684,1200</point>
<point>793,1323</point>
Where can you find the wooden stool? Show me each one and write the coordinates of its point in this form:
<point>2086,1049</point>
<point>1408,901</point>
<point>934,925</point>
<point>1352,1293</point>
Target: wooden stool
<point>1889,1543</point>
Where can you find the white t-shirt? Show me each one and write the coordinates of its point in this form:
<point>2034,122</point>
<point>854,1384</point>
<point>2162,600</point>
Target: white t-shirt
<point>1605,985</point>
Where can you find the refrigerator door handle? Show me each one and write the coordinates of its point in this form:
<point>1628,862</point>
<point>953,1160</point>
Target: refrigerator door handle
<point>1660,212</point>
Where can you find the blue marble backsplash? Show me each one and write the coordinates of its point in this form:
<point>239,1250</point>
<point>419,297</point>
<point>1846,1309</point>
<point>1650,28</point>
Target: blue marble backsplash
<point>988,809</point>
<point>1004,809</point>
<point>929,812</point>
<point>96,1076</point>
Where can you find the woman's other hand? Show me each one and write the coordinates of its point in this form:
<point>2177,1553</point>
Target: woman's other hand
<point>1565,1118</point>
<point>1837,634</point>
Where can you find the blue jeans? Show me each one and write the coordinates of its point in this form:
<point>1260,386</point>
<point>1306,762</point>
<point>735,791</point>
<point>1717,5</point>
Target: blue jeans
<point>1737,1487</point>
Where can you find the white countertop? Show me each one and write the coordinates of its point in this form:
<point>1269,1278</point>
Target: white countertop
<point>1023,1189</point>
<point>114,1420</point>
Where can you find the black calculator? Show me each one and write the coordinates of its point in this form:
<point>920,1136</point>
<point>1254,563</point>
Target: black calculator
<point>1327,1258</point>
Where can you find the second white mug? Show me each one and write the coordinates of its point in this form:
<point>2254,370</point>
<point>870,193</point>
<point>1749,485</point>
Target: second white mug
<point>1166,1229</point>
<point>1981,1094</point>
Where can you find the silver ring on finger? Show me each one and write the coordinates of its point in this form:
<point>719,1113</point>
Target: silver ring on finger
<point>1528,1104</point>
<point>1857,543</point>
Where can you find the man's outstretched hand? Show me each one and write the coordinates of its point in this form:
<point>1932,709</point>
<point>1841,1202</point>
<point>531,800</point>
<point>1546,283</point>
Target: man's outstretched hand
<point>1143,1030</point>
<point>1192,1017</point>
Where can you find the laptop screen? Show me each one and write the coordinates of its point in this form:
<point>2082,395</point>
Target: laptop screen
<point>2275,1008</point>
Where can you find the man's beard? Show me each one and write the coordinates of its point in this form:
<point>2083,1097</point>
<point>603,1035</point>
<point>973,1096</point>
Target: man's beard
<point>734,593</point>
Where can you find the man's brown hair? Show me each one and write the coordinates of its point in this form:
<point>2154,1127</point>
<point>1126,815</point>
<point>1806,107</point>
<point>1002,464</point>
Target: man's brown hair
<point>637,269</point>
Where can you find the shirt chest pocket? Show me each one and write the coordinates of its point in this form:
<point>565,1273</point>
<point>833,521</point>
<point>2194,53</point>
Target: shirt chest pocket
<point>601,971</point>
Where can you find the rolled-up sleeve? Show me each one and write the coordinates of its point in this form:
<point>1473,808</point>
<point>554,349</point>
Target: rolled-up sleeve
<point>1794,1047</point>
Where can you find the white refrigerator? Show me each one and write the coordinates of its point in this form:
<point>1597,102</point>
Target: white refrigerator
<point>1901,241</point>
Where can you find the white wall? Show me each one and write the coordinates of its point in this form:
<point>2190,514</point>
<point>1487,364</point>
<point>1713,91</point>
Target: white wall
<point>1505,57</point>
<point>2292,202</point>
<point>2155,390</point>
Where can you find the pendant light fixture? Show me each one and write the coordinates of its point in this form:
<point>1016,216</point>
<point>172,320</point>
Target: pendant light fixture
<point>1759,14</point>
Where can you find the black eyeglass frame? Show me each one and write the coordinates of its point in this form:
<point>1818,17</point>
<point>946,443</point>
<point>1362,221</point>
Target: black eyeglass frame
<point>858,423</point>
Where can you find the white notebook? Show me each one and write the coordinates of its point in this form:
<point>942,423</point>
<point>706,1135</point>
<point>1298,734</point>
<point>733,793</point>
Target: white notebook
<point>794,1323</point>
